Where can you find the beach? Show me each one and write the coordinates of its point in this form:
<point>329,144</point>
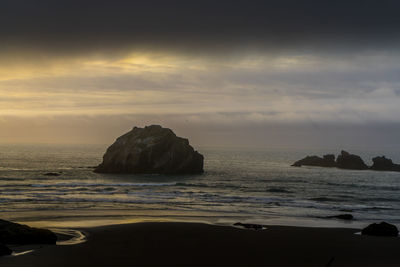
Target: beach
<point>199,244</point>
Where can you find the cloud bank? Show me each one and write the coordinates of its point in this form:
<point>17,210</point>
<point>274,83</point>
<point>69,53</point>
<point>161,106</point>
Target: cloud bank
<point>280,68</point>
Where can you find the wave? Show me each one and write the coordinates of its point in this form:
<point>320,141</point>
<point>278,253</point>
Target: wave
<point>380,199</point>
<point>361,186</point>
<point>16,169</point>
<point>322,199</point>
<point>192,184</point>
<point>102,184</point>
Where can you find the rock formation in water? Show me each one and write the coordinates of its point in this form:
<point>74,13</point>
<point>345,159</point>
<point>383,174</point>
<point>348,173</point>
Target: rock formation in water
<point>384,164</point>
<point>152,149</point>
<point>326,161</point>
<point>381,229</point>
<point>348,161</point>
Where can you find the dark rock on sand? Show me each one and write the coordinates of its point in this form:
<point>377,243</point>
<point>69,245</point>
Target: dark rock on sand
<point>14,233</point>
<point>381,229</point>
<point>341,217</point>
<point>326,161</point>
<point>350,161</point>
<point>384,164</point>
<point>4,250</point>
<point>250,226</point>
<point>52,174</point>
<point>152,149</point>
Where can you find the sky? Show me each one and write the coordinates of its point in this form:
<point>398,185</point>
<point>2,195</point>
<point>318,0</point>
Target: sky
<point>222,73</point>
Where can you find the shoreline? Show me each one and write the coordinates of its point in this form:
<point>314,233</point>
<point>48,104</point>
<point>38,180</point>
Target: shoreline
<point>78,219</point>
<point>201,244</point>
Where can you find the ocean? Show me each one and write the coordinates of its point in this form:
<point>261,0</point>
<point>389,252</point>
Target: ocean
<point>238,185</point>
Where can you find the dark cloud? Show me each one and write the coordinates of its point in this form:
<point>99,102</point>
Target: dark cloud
<point>81,26</point>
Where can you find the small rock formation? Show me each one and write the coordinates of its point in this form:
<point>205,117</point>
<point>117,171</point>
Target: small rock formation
<point>326,161</point>
<point>349,161</point>
<point>346,217</point>
<point>14,233</point>
<point>153,150</point>
<point>384,164</point>
<point>381,229</point>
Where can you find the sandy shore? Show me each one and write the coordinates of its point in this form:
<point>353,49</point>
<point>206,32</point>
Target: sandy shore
<point>195,244</point>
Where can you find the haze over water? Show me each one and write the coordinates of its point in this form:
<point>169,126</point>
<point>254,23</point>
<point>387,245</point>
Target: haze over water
<point>247,185</point>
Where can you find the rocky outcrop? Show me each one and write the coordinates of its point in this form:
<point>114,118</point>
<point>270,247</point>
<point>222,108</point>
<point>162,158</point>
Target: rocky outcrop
<point>384,164</point>
<point>4,250</point>
<point>153,150</point>
<point>14,233</point>
<point>350,161</point>
<point>326,161</point>
<point>381,229</point>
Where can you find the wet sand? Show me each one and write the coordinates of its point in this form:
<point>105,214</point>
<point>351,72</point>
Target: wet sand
<point>196,244</point>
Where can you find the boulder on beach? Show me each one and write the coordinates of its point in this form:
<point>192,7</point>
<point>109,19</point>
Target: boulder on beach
<point>381,229</point>
<point>14,233</point>
<point>384,164</point>
<point>4,250</point>
<point>350,161</point>
<point>153,150</point>
<point>326,161</point>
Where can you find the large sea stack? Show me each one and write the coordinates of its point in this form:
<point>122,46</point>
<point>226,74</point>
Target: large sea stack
<point>152,149</point>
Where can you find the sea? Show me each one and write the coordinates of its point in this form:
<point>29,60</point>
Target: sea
<point>248,185</point>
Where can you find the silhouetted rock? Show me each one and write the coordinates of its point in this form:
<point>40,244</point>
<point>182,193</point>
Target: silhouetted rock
<point>381,229</point>
<point>326,161</point>
<point>4,250</point>
<point>52,174</point>
<point>342,217</point>
<point>384,164</point>
<point>349,161</point>
<point>152,149</point>
<point>14,233</point>
<point>250,226</point>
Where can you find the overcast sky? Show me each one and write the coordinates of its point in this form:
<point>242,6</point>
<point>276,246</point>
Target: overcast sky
<point>231,73</point>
